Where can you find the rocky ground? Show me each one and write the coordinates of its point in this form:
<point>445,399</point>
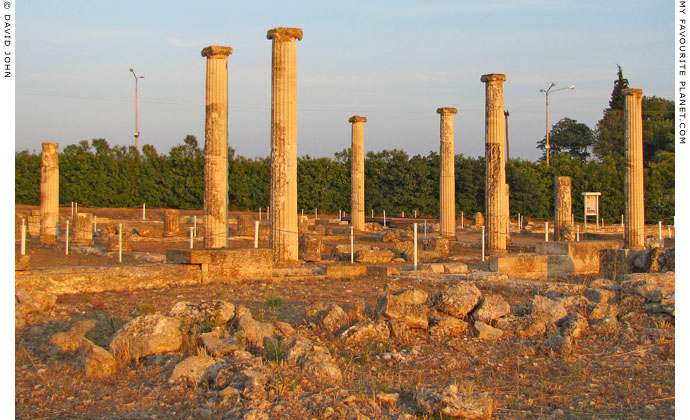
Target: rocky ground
<point>412,346</point>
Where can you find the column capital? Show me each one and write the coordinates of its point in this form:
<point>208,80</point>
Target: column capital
<point>632,92</point>
<point>357,118</point>
<point>447,111</point>
<point>216,51</point>
<point>493,77</point>
<point>284,34</point>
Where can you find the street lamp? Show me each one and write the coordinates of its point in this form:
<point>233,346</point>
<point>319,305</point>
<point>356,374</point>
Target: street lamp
<point>547,91</point>
<point>136,108</point>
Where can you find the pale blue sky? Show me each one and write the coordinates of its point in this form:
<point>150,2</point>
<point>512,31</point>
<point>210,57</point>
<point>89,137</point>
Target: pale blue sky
<point>394,62</point>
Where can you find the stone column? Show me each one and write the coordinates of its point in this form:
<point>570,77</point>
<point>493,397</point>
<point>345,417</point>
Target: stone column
<point>563,210</point>
<point>357,175</point>
<point>216,166</point>
<point>50,192</point>
<point>447,187</point>
<point>495,197</point>
<point>83,229</point>
<point>284,230</point>
<point>171,223</point>
<point>507,212</point>
<point>634,175</point>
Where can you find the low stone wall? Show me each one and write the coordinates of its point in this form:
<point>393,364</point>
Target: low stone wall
<point>584,254</point>
<point>226,264</point>
<point>532,266</point>
<point>59,281</point>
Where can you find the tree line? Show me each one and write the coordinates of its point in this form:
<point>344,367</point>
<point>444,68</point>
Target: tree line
<point>97,174</point>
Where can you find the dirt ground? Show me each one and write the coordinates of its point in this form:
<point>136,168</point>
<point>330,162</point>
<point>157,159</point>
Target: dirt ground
<point>624,374</point>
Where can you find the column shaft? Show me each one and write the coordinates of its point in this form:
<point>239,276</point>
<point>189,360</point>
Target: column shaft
<point>284,230</point>
<point>563,210</point>
<point>357,173</point>
<point>216,166</point>
<point>447,186</point>
<point>634,175</point>
<point>50,192</point>
<point>495,197</point>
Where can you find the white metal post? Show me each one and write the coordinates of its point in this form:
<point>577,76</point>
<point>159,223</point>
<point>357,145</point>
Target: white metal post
<point>384,218</point>
<point>71,210</point>
<point>143,212</point>
<point>352,244</point>
<point>669,231</point>
<point>482,243</point>
<point>372,213</point>
<point>67,239</point>
<point>316,213</point>
<point>95,223</point>
<point>661,238</point>
<point>120,244</point>
<point>546,231</point>
<point>268,213</point>
<point>23,246</point>
<point>191,238</point>
<point>415,245</point>
<point>76,208</point>
<point>340,215</point>
<point>462,220</point>
<point>256,234</point>
<point>195,226</point>
<point>424,228</point>
<point>577,237</point>
<point>260,213</point>
<point>622,222</point>
<point>415,214</point>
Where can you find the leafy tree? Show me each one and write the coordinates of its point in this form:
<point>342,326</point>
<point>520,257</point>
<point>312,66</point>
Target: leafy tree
<point>569,136</point>
<point>617,98</point>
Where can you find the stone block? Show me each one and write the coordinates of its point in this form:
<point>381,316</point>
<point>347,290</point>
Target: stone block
<point>532,266</point>
<point>310,248</point>
<point>441,245</point>
<point>382,271</point>
<point>422,255</point>
<point>226,264</point>
<point>373,256</point>
<point>584,254</point>
<point>343,271</point>
<point>616,263</point>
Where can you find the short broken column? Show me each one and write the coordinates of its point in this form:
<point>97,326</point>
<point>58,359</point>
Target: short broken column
<point>172,223</point>
<point>83,229</point>
<point>216,165</point>
<point>357,175</point>
<point>284,230</point>
<point>50,192</point>
<point>495,198</point>
<point>634,175</point>
<point>447,187</point>
<point>562,188</point>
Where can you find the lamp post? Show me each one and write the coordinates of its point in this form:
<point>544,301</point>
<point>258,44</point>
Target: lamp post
<point>136,108</point>
<point>547,91</point>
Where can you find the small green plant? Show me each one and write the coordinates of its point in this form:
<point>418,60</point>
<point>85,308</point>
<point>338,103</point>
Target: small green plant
<point>275,302</point>
<point>274,350</point>
<point>86,297</point>
<point>147,308</point>
<point>206,325</point>
<point>346,279</point>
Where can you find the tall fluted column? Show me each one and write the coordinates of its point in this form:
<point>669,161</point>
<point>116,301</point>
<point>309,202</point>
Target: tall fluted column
<point>495,198</point>
<point>50,192</point>
<point>216,166</point>
<point>563,209</point>
<point>634,175</point>
<point>284,230</point>
<point>447,187</point>
<point>357,175</point>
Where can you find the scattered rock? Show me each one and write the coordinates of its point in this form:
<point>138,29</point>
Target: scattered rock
<point>437,268</point>
<point>97,361</point>
<point>491,307</point>
<point>573,326</point>
<point>458,300</point>
<point>196,369</point>
<point>229,393</point>
<point>602,310</point>
<point>405,305</point>
<point>283,328</point>
<point>597,295</point>
<point>531,327</point>
<point>548,310</point>
<point>73,339</point>
<point>328,316</point>
<point>217,312</point>
<point>399,329</point>
<point>445,327</point>
<point>27,301</point>
<point>450,402</point>
<point>146,335</point>
<point>558,344</point>
<point>374,256</point>
<point>479,276</point>
<point>486,332</point>
<point>254,331</point>
<point>220,346</point>
<point>387,399</point>
<point>366,333</point>
<point>310,248</point>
